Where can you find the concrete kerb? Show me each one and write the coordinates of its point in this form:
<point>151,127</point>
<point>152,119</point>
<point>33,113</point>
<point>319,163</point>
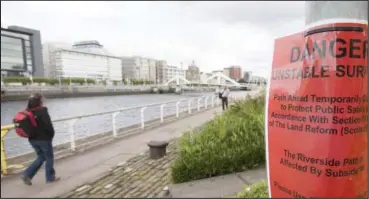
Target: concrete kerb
<point>219,186</point>
<point>94,142</point>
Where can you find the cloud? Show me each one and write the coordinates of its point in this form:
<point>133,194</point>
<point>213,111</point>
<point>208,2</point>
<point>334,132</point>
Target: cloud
<point>214,34</point>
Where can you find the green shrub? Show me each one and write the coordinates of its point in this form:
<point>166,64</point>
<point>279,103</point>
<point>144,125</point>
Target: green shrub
<point>91,81</point>
<point>23,80</point>
<point>232,142</point>
<point>51,81</point>
<point>139,81</point>
<point>257,190</point>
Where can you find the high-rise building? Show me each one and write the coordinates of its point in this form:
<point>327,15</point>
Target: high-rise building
<point>235,72</point>
<point>85,59</point>
<point>137,67</point>
<point>193,73</point>
<point>21,52</point>
<point>161,75</point>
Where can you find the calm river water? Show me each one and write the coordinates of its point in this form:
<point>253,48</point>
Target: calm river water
<point>60,108</point>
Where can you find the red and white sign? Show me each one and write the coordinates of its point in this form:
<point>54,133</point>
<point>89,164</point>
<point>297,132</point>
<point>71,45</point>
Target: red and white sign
<point>317,113</point>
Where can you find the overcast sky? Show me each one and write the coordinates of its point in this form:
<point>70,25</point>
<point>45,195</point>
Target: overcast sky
<point>214,34</point>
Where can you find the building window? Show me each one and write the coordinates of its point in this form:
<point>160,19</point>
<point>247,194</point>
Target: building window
<point>12,54</point>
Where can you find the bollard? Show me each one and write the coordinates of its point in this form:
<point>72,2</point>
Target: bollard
<point>158,149</point>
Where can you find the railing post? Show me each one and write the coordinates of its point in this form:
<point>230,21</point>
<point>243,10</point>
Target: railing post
<point>212,101</point>
<point>162,113</point>
<point>71,133</point>
<point>143,117</point>
<point>114,123</point>
<point>4,163</point>
<point>206,102</point>
<point>198,104</point>
<point>189,106</point>
<point>177,109</point>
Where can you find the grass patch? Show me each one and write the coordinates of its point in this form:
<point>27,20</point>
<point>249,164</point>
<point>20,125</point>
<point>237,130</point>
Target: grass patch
<point>232,142</point>
<point>257,190</point>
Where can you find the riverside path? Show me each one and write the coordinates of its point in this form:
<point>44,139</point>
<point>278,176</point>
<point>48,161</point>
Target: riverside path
<point>87,166</point>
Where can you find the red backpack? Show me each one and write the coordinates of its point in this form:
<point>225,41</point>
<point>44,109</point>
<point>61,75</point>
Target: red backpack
<point>25,123</point>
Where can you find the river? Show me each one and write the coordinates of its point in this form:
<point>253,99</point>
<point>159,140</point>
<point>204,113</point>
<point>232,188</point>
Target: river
<point>66,107</point>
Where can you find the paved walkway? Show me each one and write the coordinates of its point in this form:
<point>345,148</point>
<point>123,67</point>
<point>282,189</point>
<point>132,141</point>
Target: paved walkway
<point>86,167</point>
<point>139,177</point>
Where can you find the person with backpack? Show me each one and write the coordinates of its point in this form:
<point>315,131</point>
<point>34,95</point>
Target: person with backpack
<point>224,98</point>
<point>35,124</point>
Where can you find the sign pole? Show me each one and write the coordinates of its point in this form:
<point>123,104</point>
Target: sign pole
<point>317,105</point>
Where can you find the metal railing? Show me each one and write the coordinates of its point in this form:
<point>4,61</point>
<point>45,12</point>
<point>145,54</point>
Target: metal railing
<point>70,136</point>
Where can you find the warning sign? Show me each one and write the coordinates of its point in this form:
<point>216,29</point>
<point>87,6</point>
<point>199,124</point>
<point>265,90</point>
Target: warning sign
<point>317,117</point>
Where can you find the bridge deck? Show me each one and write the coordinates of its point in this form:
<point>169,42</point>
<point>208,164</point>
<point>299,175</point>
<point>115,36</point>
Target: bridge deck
<point>87,166</point>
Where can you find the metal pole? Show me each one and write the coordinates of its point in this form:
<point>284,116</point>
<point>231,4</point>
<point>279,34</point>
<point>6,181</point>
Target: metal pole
<point>330,12</point>
<point>335,11</point>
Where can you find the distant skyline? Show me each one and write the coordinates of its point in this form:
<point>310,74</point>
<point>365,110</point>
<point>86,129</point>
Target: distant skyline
<point>214,34</point>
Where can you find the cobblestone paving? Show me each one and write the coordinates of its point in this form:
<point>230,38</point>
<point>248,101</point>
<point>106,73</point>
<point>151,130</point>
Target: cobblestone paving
<point>138,177</point>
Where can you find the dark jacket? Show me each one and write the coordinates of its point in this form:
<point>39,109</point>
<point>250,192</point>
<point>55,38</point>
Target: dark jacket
<point>45,129</point>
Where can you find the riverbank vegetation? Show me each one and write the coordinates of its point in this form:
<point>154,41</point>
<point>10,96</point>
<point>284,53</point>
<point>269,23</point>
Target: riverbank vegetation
<point>138,81</point>
<point>50,81</point>
<point>232,142</point>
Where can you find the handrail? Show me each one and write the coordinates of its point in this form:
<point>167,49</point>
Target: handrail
<point>11,126</point>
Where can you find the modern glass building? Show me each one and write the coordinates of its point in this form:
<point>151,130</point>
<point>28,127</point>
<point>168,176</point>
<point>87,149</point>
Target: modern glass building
<point>21,53</point>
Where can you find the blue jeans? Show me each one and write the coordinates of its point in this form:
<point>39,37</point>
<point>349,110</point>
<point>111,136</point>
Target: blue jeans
<point>45,153</point>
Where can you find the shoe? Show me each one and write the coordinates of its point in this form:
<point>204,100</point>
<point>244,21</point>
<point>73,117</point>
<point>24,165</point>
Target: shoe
<point>55,180</point>
<point>26,180</point>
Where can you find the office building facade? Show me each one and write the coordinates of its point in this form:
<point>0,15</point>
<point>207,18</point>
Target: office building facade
<point>166,72</point>
<point>161,75</point>
<point>85,59</point>
<point>174,71</point>
<point>137,67</point>
<point>227,72</point>
<point>21,52</point>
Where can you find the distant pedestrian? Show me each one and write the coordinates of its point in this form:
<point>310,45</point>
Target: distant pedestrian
<point>40,133</point>
<point>225,94</point>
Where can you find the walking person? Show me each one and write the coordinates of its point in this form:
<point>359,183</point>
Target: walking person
<point>41,141</point>
<point>225,94</point>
